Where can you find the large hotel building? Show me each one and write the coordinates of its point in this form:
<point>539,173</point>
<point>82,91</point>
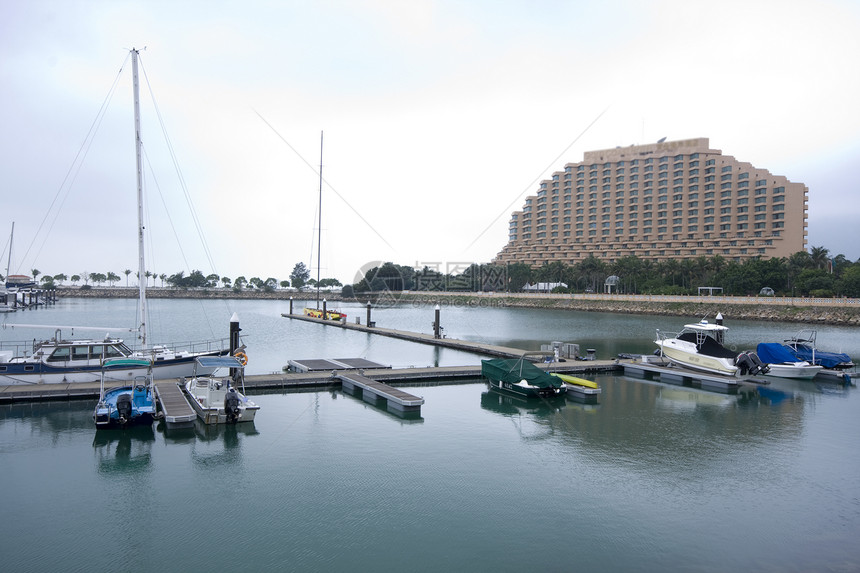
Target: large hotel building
<point>668,200</point>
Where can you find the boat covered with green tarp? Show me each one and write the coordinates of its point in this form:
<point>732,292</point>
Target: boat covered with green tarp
<point>521,377</point>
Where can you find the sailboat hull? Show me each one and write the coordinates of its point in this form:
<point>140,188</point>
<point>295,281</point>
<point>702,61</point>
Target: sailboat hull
<point>35,371</point>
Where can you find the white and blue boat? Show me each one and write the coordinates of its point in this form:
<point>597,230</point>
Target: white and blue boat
<point>125,405</point>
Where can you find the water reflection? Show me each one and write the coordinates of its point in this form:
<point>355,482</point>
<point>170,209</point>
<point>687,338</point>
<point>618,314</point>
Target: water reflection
<point>220,444</point>
<point>532,417</point>
<point>124,450</point>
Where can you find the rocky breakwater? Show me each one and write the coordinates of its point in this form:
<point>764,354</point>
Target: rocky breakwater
<point>736,308</point>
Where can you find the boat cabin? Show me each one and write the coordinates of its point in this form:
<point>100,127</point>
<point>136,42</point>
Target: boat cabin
<point>82,350</point>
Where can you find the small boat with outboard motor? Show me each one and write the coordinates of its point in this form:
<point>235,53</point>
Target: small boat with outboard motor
<point>783,363</point>
<point>125,405</point>
<point>216,399</point>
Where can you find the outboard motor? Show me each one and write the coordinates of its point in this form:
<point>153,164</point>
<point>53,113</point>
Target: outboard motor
<point>750,363</point>
<point>123,408</point>
<point>761,367</point>
<point>231,405</point>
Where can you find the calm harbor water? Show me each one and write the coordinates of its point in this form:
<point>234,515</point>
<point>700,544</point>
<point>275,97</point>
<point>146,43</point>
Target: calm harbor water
<point>653,478</point>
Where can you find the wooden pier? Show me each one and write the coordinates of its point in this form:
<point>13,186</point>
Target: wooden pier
<point>373,390</point>
<point>175,408</point>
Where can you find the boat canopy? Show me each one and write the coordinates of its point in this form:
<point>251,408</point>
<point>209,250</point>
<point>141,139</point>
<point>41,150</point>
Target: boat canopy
<point>515,370</point>
<point>775,353</point>
<point>826,359</point>
<point>219,362</point>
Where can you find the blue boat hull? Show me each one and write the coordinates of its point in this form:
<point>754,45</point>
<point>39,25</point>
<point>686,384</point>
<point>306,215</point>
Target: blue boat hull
<point>125,406</point>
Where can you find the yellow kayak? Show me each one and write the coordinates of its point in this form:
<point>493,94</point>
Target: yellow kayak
<point>576,381</point>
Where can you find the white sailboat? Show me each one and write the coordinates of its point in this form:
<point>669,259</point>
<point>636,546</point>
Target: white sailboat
<point>323,313</point>
<point>59,360</point>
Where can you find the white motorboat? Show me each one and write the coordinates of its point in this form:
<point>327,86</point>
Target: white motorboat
<point>215,398</point>
<point>700,346</point>
<point>783,363</point>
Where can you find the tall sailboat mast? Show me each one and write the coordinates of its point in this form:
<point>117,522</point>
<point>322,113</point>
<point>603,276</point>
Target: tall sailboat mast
<point>9,262</point>
<point>141,272</point>
<point>319,223</point>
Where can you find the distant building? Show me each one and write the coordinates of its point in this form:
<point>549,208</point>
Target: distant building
<point>543,287</point>
<point>669,200</point>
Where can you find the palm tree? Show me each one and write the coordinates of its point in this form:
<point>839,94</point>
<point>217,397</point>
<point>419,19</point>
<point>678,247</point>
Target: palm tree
<point>820,257</point>
<point>36,273</point>
<point>126,272</point>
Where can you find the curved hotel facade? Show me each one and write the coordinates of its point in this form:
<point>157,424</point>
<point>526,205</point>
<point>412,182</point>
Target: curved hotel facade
<point>668,200</point>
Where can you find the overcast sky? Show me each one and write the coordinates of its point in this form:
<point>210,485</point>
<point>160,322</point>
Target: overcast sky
<point>439,118</point>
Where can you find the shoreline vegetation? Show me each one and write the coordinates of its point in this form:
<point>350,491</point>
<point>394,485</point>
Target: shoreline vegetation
<point>834,311</point>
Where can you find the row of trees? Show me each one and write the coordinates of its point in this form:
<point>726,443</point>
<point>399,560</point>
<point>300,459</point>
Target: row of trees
<point>812,273</point>
<point>196,279</point>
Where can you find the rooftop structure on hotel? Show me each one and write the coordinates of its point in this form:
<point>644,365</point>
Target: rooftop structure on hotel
<point>673,199</point>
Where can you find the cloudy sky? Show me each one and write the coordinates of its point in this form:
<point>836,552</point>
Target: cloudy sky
<point>439,118</point>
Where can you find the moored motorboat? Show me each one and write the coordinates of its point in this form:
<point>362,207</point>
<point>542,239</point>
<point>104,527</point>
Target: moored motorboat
<point>783,363</point>
<point>802,346</point>
<point>521,377</point>
<point>216,399</point>
<point>126,405</point>
<point>700,346</point>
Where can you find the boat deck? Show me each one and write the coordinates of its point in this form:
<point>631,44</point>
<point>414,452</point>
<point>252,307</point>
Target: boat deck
<point>174,405</point>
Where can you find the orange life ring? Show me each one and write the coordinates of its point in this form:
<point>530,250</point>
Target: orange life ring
<point>241,357</point>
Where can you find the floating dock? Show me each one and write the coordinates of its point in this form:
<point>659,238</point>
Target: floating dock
<point>373,391</point>
<point>332,364</point>
<point>177,412</point>
<point>456,344</point>
<point>670,374</point>
<point>310,380</point>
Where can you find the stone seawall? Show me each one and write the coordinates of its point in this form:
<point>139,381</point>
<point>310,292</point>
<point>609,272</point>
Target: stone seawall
<point>837,315</point>
<point>847,316</point>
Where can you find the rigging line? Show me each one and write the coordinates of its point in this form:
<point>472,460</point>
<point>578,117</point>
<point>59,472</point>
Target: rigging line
<point>536,179</point>
<point>175,234</point>
<point>189,201</point>
<point>166,210</point>
<point>75,167</point>
<point>341,197</point>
